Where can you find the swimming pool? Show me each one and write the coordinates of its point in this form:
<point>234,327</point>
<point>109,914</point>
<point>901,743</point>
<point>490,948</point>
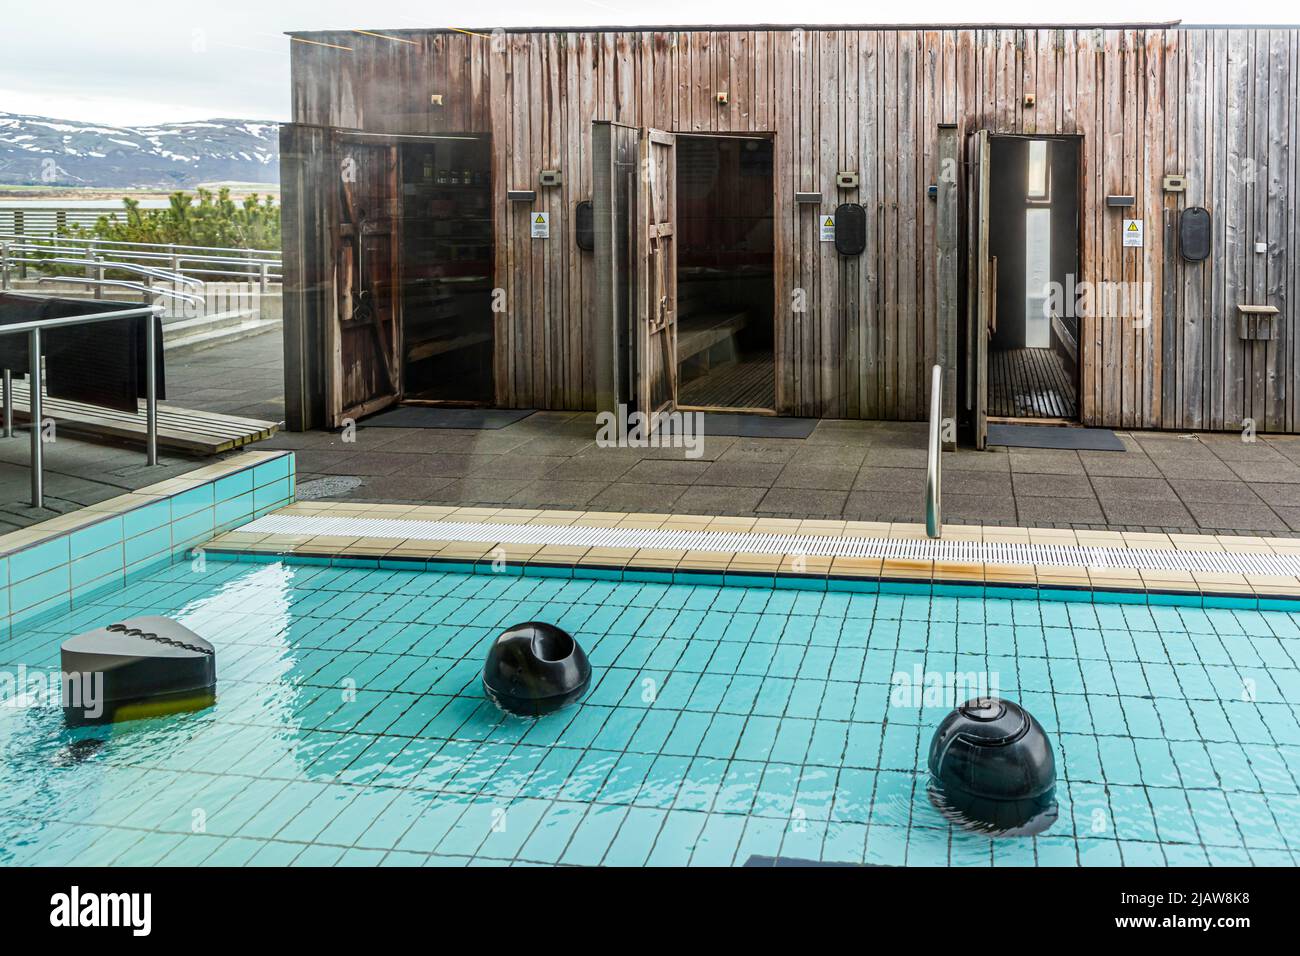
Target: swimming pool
<point>723,723</point>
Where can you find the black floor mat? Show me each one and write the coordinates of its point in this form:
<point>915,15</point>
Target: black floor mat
<point>423,416</point>
<point>751,426</point>
<point>1055,436</point>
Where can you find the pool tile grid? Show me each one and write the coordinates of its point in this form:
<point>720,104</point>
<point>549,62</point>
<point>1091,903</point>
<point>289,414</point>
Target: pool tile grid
<point>723,723</point>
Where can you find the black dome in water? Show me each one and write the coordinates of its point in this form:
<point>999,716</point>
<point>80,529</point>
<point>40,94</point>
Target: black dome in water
<point>535,668</point>
<point>992,769</point>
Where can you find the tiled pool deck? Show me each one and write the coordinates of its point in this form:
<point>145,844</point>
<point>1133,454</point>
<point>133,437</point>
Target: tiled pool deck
<point>803,570</point>
<point>1208,483</point>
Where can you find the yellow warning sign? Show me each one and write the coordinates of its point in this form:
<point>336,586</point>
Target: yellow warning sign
<point>541,225</point>
<point>828,229</point>
<point>1133,233</point>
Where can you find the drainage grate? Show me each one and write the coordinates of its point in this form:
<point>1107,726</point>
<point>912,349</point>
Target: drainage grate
<point>916,549</point>
<point>327,487</point>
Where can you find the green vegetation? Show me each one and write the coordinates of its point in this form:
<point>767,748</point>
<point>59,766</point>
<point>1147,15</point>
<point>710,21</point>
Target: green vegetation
<point>205,219</point>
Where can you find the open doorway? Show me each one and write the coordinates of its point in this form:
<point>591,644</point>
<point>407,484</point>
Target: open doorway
<point>725,261</point>
<point>446,263</point>
<point>1033,242</point>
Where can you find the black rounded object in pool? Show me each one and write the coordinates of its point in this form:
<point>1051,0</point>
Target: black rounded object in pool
<point>535,668</point>
<point>992,769</point>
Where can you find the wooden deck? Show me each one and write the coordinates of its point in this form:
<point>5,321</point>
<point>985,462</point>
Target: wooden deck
<point>179,429</point>
<point>747,383</point>
<point>1030,383</point>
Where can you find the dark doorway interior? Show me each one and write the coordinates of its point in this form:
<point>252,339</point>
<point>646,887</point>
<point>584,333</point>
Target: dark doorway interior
<point>446,209</point>
<point>724,273</point>
<point>1034,238</point>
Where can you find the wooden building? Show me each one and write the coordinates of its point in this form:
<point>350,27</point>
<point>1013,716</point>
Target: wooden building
<point>566,219</point>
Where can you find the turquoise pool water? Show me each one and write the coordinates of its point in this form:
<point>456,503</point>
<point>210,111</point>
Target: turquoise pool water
<point>722,723</point>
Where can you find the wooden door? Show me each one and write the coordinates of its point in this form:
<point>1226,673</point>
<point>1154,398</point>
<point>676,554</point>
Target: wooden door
<point>309,228</point>
<point>365,343</point>
<point>656,259</point>
<point>615,152</point>
<point>980,277</point>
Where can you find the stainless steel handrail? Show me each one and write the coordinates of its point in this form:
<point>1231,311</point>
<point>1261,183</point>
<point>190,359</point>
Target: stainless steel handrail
<point>270,253</point>
<point>261,265</point>
<point>933,477</point>
<point>165,275</point>
<point>35,413</point>
<point>128,284</point>
<point>47,254</point>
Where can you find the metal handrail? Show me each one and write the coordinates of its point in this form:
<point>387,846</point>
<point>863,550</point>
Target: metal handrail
<point>172,294</point>
<point>35,413</point>
<point>933,477</point>
<point>272,253</point>
<point>261,265</point>
<point>166,275</point>
<point>48,251</point>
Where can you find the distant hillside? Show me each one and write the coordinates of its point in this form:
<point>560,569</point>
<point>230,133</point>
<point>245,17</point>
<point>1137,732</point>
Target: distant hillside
<point>167,156</point>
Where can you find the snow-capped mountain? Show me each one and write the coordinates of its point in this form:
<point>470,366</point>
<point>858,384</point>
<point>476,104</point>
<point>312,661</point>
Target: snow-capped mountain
<point>37,150</point>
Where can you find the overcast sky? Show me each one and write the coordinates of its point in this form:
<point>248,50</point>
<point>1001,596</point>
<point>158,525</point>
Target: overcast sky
<point>152,61</point>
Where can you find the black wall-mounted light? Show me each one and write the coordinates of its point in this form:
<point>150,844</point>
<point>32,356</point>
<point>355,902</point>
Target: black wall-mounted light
<point>584,225</point>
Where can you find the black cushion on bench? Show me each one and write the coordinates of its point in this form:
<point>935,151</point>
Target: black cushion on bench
<point>98,364</point>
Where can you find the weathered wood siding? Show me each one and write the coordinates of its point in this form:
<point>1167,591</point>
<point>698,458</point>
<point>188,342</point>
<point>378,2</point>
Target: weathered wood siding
<point>1237,136</point>
<point>1145,101</point>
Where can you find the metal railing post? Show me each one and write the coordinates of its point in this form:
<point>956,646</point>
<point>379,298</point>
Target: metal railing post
<point>933,476</point>
<point>36,413</point>
<point>9,404</point>
<point>4,265</point>
<point>35,375</point>
<point>151,389</point>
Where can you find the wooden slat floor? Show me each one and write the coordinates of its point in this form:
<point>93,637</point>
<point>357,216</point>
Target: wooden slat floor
<point>1030,383</point>
<point>747,383</point>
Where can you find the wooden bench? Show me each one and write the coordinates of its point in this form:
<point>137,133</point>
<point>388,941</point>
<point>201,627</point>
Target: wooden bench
<point>699,334</point>
<point>706,335</point>
<point>428,348</point>
<point>182,430</point>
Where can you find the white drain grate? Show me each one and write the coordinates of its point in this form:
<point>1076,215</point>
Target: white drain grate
<point>921,549</point>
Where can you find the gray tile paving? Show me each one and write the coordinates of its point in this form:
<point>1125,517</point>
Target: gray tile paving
<point>850,469</point>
